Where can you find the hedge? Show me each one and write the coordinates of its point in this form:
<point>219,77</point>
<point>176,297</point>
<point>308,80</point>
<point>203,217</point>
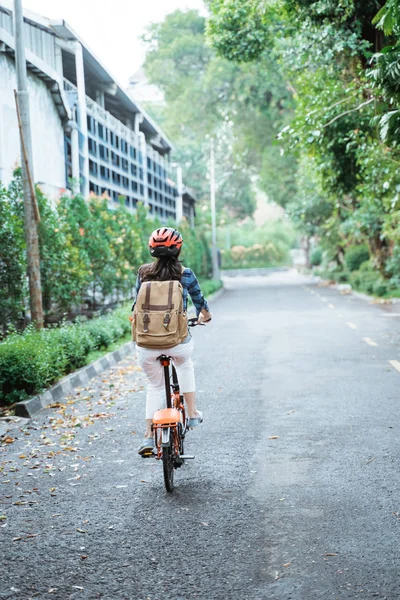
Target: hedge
<point>31,361</point>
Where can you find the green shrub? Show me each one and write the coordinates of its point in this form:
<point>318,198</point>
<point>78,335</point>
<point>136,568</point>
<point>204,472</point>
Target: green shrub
<point>210,286</point>
<point>316,257</point>
<point>356,256</point>
<point>32,361</point>
<point>29,362</point>
<point>74,341</point>
<point>381,287</point>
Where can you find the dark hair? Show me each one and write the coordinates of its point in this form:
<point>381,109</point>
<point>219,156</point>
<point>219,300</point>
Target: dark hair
<point>165,268</point>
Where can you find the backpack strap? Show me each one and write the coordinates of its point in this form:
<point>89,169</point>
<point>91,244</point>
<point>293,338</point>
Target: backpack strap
<point>147,306</point>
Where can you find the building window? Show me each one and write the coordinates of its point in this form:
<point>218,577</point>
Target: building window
<point>149,178</point>
<point>133,153</point>
<point>134,170</point>
<point>92,147</point>
<point>92,167</point>
<point>104,173</point>
<point>91,124</point>
<point>141,189</point>
<point>103,151</point>
<point>124,147</point>
<point>114,140</point>
<point>115,159</point>
<point>150,193</point>
<point>124,164</point>
<point>134,186</point>
<point>102,132</point>
<point>141,174</point>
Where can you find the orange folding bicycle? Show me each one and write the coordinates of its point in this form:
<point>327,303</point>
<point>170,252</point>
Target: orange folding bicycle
<point>171,424</point>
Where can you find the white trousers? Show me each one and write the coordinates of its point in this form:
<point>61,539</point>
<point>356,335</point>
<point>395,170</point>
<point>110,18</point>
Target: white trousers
<point>182,357</point>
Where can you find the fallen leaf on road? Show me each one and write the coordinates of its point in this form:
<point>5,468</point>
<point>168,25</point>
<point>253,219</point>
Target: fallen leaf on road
<point>84,556</point>
<point>78,587</point>
<point>287,564</point>
<point>8,440</point>
<point>330,554</point>
<point>144,481</point>
<point>370,460</point>
<point>205,524</point>
<point>80,530</point>
<point>17,538</point>
<point>273,437</point>
<point>32,535</point>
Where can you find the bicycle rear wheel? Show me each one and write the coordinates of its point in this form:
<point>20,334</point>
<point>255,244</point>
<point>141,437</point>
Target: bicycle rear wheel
<point>168,463</point>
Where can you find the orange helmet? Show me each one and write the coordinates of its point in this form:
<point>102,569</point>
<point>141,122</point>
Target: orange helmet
<point>165,241</point>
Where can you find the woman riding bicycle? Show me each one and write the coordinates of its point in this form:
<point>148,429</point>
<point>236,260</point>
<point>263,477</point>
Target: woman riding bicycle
<point>165,245</point>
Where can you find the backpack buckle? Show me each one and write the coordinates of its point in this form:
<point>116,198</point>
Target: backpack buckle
<point>146,321</point>
<point>167,320</point>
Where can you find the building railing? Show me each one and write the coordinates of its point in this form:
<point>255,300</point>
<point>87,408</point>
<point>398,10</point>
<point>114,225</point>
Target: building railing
<point>119,128</point>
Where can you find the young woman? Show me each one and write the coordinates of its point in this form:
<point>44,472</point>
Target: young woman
<point>165,245</point>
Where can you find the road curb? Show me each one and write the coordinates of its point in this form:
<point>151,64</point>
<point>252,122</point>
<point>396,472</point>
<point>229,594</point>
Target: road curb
<point>341,287</point>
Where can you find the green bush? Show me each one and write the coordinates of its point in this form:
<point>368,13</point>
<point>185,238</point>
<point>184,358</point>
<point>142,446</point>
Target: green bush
<point>29,362</point>
<point>381,287</point>
<point>316,257</point>
<point>74,341</point>
<point>355,256</point>
<point>210,286</point>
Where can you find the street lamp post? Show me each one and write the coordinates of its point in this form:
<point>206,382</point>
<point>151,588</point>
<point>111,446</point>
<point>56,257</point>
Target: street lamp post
<point>214,249</point>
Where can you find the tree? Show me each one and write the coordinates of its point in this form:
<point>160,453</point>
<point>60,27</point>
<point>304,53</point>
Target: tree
<point>209,96</point>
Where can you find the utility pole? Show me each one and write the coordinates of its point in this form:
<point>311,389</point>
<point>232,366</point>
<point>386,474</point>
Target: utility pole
<point>214,249</point>
<point>31,233</point>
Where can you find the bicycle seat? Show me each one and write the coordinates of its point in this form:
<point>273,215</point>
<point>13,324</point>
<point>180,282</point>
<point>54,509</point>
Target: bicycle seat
<point>167,416</point>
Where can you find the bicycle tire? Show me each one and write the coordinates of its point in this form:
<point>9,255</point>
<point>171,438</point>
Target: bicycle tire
<point>168,464</point>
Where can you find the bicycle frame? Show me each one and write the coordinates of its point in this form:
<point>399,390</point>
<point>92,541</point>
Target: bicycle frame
<point>168,421</point>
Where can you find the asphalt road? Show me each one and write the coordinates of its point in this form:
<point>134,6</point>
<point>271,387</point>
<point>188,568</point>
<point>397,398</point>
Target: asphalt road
<point>294,492</point>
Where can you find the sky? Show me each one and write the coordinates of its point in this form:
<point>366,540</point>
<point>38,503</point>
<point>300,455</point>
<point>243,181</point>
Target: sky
<point>111,28</point>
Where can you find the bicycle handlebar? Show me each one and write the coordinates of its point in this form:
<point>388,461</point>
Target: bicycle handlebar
<point>194,322</point>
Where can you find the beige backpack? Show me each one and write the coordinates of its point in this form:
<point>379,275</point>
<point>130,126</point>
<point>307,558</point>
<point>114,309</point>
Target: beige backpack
<point>159,320</point>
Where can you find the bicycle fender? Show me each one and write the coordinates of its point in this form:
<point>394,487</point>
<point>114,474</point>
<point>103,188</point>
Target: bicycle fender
<point>165,436</point>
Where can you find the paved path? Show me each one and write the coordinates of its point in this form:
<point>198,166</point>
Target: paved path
<point>294,493</point>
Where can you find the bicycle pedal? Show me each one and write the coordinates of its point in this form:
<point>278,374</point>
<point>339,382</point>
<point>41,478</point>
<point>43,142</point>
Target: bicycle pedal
<point>187,456</point>
<point>148,455</point>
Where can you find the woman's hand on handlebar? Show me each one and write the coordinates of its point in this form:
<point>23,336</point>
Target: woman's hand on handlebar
<point>204,316</point>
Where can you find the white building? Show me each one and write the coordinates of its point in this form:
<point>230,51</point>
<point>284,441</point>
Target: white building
<point>88,134</point>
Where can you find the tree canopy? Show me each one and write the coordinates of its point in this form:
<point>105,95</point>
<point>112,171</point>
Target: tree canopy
<point>205,96</point>
<point>342,59</point>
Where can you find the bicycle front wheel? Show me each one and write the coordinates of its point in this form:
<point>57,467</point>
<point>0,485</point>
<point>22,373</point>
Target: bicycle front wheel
<point>168,464</point>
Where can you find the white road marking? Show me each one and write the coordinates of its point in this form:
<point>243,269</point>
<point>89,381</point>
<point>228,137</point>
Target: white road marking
<point>331,306</point>
<point>395,364</point>
<point>351,325</point>
<point>324,299</point>
<point>391,314</point>
<point>370,342</point>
